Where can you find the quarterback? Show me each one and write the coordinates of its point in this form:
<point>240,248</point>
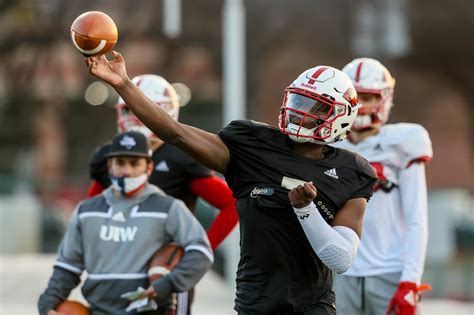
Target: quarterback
<point>289,244</point>
<point>386,273</point>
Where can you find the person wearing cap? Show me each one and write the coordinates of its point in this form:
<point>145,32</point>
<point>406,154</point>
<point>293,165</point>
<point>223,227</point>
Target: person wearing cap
<point>113,235</point>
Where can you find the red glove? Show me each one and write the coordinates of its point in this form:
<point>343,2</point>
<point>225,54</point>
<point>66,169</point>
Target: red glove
<point>405,298</point>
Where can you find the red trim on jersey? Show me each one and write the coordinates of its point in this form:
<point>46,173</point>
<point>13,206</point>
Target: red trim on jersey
<point>359,70</point>
<point>378,167</point>
<point>316,75</point>
<point>94,189</point>
<point>424,158</point>
<point>216,192</point>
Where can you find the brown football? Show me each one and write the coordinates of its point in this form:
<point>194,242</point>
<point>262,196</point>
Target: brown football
<point>72,308</point>
<point>94,33</point>
<point>164,260</point>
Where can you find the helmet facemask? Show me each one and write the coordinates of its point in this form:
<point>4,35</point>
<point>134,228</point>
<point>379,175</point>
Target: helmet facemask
<point>127,121</point>
<point>373,115</point>
<point>308,116</point>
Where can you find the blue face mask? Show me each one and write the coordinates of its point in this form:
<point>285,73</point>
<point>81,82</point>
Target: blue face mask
<point>127,186</point>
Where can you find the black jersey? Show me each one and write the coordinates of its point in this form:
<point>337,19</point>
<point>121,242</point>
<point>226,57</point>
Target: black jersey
<point>277,264</point>
<point>173,172</point>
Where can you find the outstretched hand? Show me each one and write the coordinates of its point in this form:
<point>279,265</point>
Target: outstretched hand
<point>112,72</point>
<point>302,196</point>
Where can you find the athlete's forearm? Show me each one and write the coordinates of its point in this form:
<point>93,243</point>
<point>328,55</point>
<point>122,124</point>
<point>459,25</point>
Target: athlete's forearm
<point>154,117</point>
<point>216,192</point>
<point>222,225</point>
<point>59,287</point>
<point>335,246</point>
<point>185,275</point>
<point>413,193</point>
<point>207,148</point>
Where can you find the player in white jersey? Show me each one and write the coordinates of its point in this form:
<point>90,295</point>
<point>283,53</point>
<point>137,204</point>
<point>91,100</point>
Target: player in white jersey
<point>386,273</point>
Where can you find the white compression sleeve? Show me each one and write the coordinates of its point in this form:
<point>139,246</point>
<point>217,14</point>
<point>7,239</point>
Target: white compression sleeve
<point>335,246</point>
<point>412,184</point>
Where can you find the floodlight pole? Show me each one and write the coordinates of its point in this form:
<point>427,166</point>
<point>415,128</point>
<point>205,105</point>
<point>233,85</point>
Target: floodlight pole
<point>234,98</point>
<point>233,39</point>
<point>172,18</point>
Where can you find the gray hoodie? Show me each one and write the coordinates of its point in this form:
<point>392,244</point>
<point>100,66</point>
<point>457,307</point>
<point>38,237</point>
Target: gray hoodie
<point>113,239</point>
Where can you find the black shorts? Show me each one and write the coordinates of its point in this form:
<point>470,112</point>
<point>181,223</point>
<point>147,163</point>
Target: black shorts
<point>325,306</point>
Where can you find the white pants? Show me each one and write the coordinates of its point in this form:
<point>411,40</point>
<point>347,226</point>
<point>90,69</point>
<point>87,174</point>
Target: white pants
<point>365,295</point>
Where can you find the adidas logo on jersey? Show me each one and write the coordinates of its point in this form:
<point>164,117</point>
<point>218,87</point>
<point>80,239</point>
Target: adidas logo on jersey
<point>118,217</point>
<point>162,167</point>
<point>377,147</point>
<point>332,172</point>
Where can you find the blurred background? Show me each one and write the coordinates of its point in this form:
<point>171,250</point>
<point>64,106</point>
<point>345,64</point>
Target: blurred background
<point>236,57</point>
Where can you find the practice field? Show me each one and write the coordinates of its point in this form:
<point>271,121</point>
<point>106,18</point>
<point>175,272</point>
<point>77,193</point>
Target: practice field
<point>22,279</point>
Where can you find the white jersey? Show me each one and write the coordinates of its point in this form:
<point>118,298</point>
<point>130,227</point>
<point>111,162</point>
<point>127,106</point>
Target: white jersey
<point>395,232</point>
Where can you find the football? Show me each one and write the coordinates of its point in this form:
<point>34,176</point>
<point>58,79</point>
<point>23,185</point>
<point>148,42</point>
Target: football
<point>94,33</point>
<point>72,308</point>
<point>164,260</point>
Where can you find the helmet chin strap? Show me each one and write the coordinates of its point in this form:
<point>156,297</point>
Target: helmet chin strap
<point>300,139</point>
<point>301,131</point>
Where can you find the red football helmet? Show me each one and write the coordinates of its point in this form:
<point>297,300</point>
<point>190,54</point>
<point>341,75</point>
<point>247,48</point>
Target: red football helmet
<point>156,89</point>
<point>319,106</point>
<point>371,77</point>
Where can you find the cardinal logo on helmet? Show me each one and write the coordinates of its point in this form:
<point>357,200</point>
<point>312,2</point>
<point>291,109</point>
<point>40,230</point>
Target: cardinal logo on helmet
<point>351,96</point>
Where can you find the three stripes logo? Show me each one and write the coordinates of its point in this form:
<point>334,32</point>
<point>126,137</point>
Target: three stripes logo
<point>332,173</point>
